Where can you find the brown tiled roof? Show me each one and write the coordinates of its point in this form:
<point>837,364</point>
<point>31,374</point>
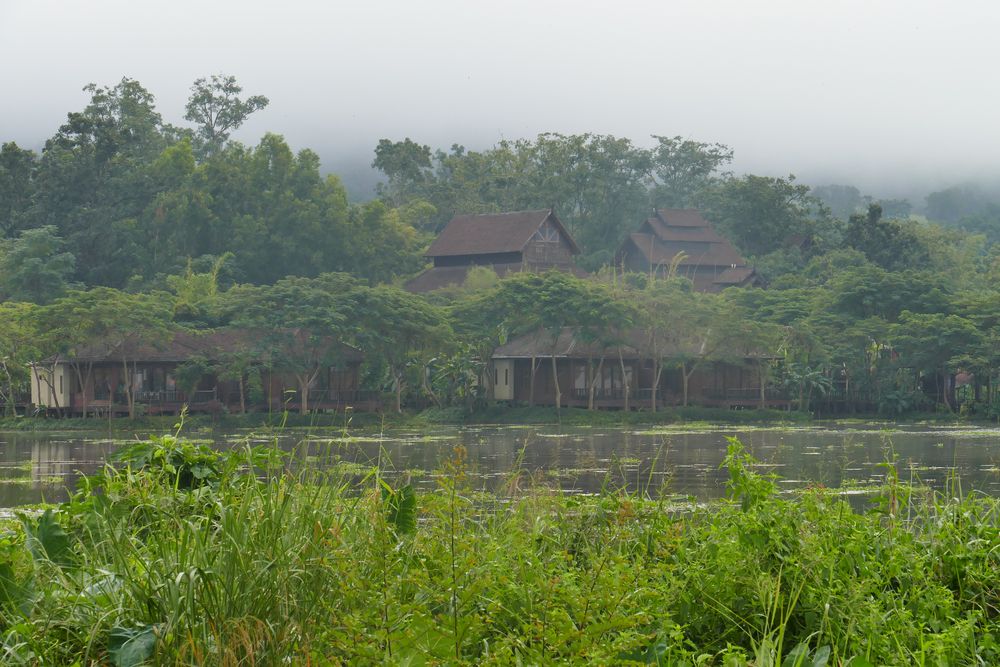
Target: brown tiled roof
<point>491,233</point>
<point>657,253</point>
<point>682,217</point>
<point>735,276</point>
<point>698,234</point>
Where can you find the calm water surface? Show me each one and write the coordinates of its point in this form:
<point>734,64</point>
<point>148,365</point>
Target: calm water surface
<point>36,467</point>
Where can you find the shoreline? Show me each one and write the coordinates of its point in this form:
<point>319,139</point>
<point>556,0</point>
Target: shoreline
<point>432,417</point>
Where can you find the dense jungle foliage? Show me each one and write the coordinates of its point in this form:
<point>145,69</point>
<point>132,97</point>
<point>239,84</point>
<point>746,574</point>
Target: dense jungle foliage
<point>125,224</point>
<point>182,555</point>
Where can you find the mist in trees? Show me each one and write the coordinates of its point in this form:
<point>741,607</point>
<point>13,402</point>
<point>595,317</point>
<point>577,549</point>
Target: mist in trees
<point>130,199</point>
<point>127,218</point>
<point>600,185</point>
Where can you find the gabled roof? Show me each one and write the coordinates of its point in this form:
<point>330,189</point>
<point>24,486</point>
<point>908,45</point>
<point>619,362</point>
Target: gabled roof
<point>735,276</point>
<point>656,253</point>
<point>491,233</point>
<point>681,217</point>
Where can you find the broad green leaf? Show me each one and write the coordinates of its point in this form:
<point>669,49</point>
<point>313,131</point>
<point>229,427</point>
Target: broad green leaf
<point>130,647</point>
<point>46,539</point>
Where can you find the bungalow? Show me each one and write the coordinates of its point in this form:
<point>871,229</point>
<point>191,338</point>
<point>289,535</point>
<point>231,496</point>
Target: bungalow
<point>684,237</point>
<point>618,375</point>
<point>505,242</point>
<point>188,369</point>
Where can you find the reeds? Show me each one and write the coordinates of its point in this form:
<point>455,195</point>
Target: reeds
<point>182,555</point>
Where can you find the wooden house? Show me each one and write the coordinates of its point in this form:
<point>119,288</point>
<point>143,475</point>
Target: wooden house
<point>104,378</point>
<point>505,242</point>
<point>600,375</point>
<point>710,261</point>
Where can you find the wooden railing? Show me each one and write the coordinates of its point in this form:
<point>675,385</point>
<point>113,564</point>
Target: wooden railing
<point>157,396</point>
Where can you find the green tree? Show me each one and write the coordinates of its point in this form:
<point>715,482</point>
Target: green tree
<point>17,174</point>
<point>936,344</point>
<point>806,380</point>
<point>306,325</point>
<point>216,107</point>
<point>92,181</point>
<point>869,291</point>
<point>954,203</point>
<point>682,168</point>
<point>407,165</point>
<point>405,331</point>
<point>106,319</point>
<point>554,302</point>
<point>197,294</point>
<point>35,266</point>
<point>19,346</point>
<point>760,214</point>
<point>887,243</point>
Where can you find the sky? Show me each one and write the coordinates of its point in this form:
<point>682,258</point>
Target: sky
<point>893,96</point>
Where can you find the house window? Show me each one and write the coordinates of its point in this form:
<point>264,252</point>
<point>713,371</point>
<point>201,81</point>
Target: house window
<point>506,377</point>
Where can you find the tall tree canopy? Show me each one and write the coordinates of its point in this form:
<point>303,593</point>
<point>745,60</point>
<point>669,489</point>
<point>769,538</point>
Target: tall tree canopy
<point>133,199</point>
<point>216,109</point>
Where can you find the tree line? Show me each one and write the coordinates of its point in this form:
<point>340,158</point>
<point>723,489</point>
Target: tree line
<point>875,340</point>
<point>124,222</point>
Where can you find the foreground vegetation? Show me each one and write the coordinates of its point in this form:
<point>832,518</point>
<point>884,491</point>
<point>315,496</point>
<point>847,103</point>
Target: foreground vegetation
<point>180,555</point>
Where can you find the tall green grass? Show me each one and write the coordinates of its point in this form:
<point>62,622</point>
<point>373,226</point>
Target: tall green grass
<point>179,555</point>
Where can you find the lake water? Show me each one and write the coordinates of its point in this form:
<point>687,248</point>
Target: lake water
<point>36,467</point>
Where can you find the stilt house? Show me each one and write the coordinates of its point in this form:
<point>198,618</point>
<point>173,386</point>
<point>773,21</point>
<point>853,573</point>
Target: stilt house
<point>157,378</point>
<point>621,376</point>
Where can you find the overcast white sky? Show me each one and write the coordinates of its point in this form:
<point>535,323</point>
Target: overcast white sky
<point>890,95</point>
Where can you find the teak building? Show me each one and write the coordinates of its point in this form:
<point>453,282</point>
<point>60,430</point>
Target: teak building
<point>621,376</point>
<point>710,261</point>
<point>104,378</point>
<point>505,242</point>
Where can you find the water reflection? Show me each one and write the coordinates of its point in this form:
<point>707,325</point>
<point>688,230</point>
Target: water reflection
<point>37,467</point>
